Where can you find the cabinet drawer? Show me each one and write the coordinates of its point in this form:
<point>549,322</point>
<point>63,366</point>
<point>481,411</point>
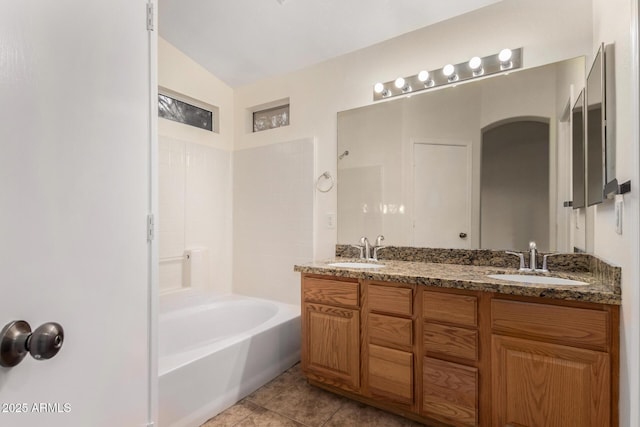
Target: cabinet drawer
<point>332,292</point>
<point>450,341</point>
<point>450,392</point>
<point>566,325</point>
<point>390,331</point>
<point>451,308</point>
<point>391,373</point>
<point>389,299</point>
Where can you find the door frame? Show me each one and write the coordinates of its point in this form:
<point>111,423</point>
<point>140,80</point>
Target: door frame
<point>153,284</point>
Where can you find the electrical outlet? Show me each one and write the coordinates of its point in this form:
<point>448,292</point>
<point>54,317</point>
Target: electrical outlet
<point>331,221</point>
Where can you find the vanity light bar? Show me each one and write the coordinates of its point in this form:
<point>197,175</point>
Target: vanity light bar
<point>506,60</point>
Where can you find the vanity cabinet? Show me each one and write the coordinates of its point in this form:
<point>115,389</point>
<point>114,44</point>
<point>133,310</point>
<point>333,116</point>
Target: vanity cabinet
<point>552,365</point>
<point>449,357</point>
<point>331,331</point>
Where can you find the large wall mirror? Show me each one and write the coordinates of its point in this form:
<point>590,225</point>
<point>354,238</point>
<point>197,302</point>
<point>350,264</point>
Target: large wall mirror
<point>595,130</point>
<point>578,149</point>
<point>601,179</point>
<point>473,165</point>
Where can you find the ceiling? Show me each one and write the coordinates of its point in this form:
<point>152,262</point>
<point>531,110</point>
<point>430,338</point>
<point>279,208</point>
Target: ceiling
<point>242,41</point>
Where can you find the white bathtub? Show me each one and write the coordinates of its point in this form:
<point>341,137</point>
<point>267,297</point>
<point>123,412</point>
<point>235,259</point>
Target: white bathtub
<point>213,351</point>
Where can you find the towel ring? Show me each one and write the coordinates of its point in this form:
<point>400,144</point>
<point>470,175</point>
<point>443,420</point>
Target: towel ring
<point>325,176</point>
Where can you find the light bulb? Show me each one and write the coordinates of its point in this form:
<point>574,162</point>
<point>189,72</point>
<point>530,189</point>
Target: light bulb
<point>475,63</point>
<point>505,59</point>
<point>505,55</point>
<point>378,87</point>
<point>448,70</point>
<point>399,83</point>
<point>423,76</point>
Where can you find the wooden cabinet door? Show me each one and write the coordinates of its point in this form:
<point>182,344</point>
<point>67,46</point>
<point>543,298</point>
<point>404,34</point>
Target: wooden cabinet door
<point>331,345</point>
<point>391,374</point>
<point>450,392</point>
<point>539,384</point>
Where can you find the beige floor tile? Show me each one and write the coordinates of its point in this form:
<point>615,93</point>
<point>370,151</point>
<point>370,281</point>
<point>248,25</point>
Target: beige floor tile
<point>289,401</point>
<point>235,414</point>
<point>357,414</point>
<point>287,380</point>
<point>268,419</point>
<point>306,404</point>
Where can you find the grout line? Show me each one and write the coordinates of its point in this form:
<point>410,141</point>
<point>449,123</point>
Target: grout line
<point>334,413</point>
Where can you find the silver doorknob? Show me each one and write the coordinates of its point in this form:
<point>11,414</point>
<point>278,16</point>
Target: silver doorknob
<point>46,341</point>
<point>16,340</point>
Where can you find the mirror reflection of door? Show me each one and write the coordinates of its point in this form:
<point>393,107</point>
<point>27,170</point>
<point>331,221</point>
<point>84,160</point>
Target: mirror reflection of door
<point>441,196</point>
<point>514,185</point>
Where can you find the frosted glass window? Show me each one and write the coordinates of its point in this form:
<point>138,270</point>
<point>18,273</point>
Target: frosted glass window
<point>182,112</point>
<point>271,118</point>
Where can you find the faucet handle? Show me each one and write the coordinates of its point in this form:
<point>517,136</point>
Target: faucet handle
<point>545,269</point>
<point>519,255</point>
<point>378,246</point>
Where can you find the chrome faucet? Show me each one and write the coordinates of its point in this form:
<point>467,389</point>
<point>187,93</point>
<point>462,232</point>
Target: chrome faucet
<point>532,255</point>
<point>365,248</point>
<point>545,268</point>
<point>521,257</point>
<point>378,246</point>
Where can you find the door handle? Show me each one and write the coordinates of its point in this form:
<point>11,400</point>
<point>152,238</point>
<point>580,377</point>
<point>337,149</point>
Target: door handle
<point>16,340</point>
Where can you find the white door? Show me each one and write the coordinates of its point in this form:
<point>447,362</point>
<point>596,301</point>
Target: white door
<point>442,198</point>
<point>75,138</point>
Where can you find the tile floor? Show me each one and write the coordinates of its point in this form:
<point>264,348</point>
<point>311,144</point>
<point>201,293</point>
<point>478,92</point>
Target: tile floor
<point>289,401</point>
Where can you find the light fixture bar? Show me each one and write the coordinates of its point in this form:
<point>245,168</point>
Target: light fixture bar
<point>491,64</point>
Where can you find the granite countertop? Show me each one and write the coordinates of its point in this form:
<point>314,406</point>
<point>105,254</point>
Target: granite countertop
<point>474,278</point>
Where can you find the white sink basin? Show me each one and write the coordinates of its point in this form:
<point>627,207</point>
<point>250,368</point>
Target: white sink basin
<point>355,265</point>
<point>540,280</point>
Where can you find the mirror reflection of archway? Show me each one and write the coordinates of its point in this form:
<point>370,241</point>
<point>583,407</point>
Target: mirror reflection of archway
<point>514,184</point>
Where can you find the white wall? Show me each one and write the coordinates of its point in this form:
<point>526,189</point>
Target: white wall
<point>317,93</point>
<point>195,199</point>
<point>194,212</point>
<point>612,22</point>
<point>273,218</point>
